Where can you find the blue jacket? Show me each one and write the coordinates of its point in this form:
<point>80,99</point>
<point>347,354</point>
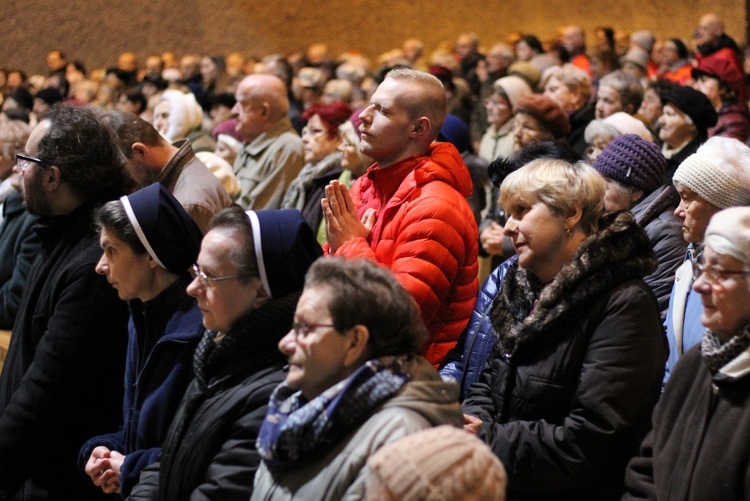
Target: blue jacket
<point>154,384</point>
<point>465,362</point>
<point>683,323</point>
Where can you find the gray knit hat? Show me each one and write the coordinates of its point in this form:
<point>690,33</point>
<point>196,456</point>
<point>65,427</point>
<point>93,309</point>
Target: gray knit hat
<point>633,161</point>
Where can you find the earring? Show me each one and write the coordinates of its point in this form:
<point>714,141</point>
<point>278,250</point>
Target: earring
<point>567,232</point>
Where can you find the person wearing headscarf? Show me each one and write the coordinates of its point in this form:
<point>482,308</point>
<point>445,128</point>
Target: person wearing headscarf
<point>697,448</point>
<point>177,116</point>
<point>247,280</point>
<point>148,243</point>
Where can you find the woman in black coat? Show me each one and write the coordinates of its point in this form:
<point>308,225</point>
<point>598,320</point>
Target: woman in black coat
<point>568,392</point>
<point>247,295</point>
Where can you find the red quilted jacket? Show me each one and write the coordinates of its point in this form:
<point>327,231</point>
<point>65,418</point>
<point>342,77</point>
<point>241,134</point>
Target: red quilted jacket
<point>426,234</point>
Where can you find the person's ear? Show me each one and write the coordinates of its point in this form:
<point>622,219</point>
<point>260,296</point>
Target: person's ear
<point>52,178</point>
<point>421,127</point>
<point>635,195</point>
<point>357,350</point>
<point>572,219</point>
<point>140,150</point>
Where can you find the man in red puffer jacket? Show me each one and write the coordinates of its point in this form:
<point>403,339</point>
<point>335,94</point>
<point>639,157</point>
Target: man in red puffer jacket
<point>409,212</point>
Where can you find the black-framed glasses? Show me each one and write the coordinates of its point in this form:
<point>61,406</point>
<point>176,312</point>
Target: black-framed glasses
<point>23,161</point>
<point>714,274</point>
<point>205,280</point>
<point>305,328</point>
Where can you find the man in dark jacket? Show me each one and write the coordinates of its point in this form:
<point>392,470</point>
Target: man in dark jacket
<point>62,381</point>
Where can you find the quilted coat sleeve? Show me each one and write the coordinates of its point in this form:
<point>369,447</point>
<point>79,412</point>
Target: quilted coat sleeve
<point>430,244</point>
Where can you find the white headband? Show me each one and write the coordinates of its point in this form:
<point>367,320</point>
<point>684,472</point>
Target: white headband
<point>139,230</point>
<point>255,223</point>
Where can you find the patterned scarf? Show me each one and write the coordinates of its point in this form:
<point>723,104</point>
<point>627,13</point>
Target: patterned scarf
<point>717,355</point>
<point>294,429</point>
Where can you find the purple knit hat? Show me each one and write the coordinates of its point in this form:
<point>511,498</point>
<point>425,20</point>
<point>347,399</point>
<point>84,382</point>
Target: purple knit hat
<point>633,161</point>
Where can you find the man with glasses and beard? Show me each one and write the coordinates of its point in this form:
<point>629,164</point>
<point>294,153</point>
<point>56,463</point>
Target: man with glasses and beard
<point>62,381</point>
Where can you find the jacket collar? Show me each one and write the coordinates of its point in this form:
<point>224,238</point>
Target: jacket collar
<point>171,172</point>
<point>527,316</point>
<point>263,141</point>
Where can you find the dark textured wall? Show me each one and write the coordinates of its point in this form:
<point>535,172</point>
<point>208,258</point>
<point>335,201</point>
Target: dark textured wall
<point>96,30</point>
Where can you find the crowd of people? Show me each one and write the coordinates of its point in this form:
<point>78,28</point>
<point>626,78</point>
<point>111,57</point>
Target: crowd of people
<point>516,271</point>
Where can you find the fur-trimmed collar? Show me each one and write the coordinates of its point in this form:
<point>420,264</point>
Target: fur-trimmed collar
<point>525,314</point>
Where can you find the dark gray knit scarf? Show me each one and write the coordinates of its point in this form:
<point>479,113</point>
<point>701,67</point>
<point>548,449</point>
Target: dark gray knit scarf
<point>717,355</point>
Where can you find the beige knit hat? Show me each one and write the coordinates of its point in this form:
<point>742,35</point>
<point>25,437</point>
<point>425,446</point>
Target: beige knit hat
<point>719,172</point>
<point>443,463</point>
<point>729,233</point>
<point>514,87</point>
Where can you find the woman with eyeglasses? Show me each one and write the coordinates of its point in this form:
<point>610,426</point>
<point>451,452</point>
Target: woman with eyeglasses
<point>148,242</point>
<point>356,381</point>
<point>320,145</point>
<point>247,280</point>
<point>697,448</point>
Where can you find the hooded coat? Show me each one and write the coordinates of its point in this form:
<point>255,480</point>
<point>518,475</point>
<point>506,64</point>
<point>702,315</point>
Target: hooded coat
<point>425,233</point>
<point>567,395</point>
<point>424,402</point>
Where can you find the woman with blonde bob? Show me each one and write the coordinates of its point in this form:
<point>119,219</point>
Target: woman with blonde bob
<point>568,391</point>
<point>571,87</point>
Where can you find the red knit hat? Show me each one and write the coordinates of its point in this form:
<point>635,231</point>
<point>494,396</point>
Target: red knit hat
<point>547,112</point>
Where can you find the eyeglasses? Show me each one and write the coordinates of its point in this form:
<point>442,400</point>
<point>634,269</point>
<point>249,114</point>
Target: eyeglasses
<point>205,280</point>
<point>304,328</point>
<point>23,161</point>
<point>713,274</point>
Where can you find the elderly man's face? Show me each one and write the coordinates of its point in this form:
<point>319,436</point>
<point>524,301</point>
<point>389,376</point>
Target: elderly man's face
<point>317,355</point>
<point>709,29</point>
<point>694,214</point>
<point>249,112</point>
<point>725,294</point>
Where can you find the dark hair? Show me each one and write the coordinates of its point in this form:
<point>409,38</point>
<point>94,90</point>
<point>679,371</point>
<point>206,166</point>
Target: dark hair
<point>135,96</point>
<point>78,65</point>
<point>502,166</point>
<point>129,129</point>
<point>662,87</point>
<point>234,219</point>
<point>82,146</point>
<point>332,115</point>
<point>609,34</point>
<point>362,293</point>
<point>533,43</point>
<point>112,217</point>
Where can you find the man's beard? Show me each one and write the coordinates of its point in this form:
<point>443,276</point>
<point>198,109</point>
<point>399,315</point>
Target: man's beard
<point>34,196</point>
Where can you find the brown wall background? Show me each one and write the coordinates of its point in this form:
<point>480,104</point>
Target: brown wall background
<point>95,31</point>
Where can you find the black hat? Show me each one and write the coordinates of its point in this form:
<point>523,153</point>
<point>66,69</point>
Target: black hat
<point>49,96</point>
<point>285,247</point>
<point>168,233</point>
<point>694,104</point>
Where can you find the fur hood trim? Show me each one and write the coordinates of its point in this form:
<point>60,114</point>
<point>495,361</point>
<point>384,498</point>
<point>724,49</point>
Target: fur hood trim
<point>526,315</point>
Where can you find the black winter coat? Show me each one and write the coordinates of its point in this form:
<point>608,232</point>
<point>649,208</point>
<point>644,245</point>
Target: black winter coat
<point>209,452</point>
<point>698,448</point>
<point>568,394</point>
<point>62,381</point>
<point>19,245</point>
